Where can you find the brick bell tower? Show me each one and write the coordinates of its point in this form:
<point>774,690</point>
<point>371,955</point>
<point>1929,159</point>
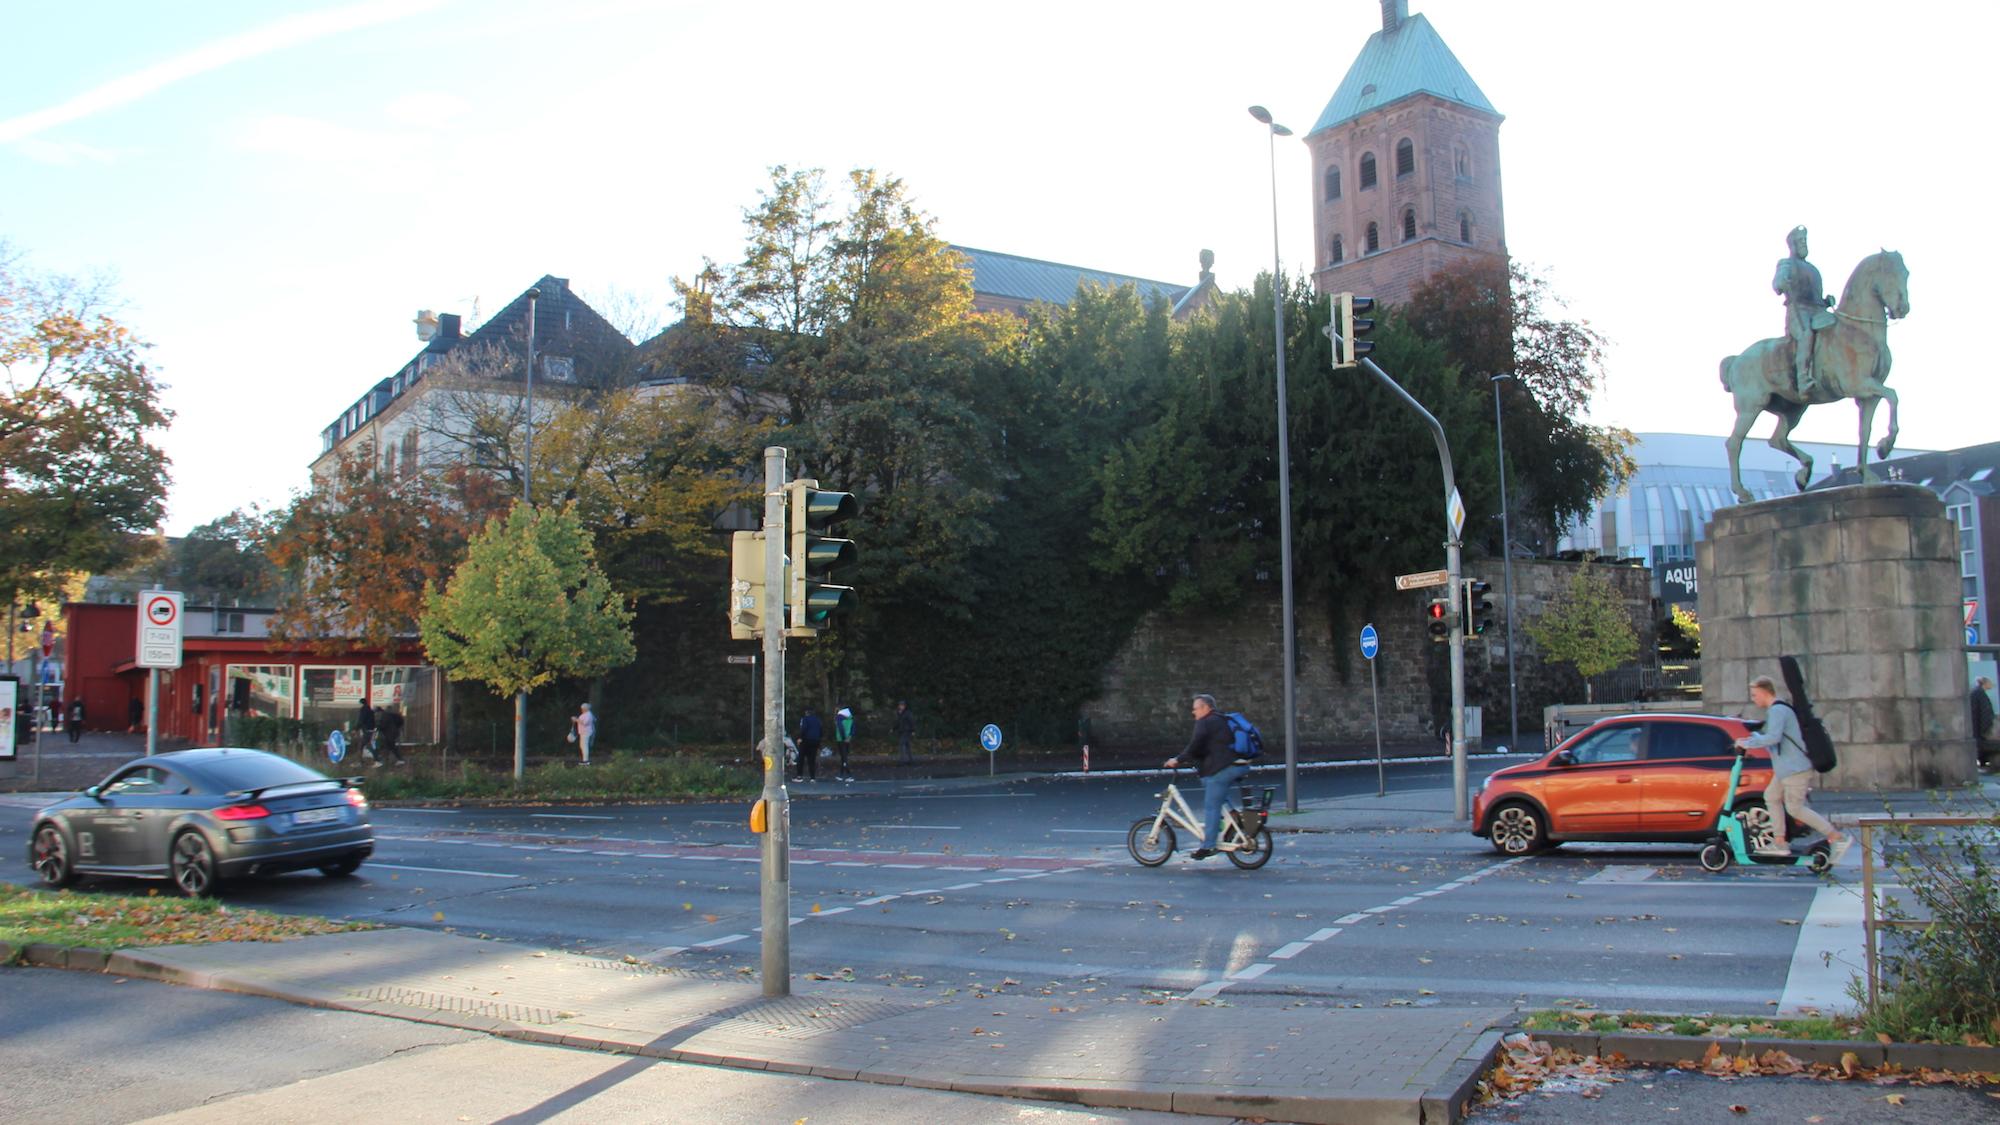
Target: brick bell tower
<point>1406,166</point>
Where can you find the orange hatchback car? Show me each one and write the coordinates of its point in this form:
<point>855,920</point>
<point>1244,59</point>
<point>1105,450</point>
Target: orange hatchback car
<point>1638,778</point>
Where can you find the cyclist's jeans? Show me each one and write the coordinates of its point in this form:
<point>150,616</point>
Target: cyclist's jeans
<point>1214,795</point>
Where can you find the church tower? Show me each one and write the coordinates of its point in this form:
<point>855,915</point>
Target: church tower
<point>1406,166</point>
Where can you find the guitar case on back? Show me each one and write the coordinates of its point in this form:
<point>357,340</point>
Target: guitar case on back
<point>1819,745</point>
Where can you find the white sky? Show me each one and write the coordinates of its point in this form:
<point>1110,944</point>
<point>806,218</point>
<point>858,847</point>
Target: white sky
<point>278,187</point>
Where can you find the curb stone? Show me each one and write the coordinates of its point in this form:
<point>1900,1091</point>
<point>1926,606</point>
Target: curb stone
<point>1445,1102</point>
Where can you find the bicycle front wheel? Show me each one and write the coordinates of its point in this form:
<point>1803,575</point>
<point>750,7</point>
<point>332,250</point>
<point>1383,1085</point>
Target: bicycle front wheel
<point>1248,859</point>
<point>1149,847</point>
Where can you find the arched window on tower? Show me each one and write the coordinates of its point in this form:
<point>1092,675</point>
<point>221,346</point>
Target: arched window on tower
<point>1332,184</point>
<point>1406,158</point>
<point>1339,251</point>
<point>1374,239</point>
<point>1367,170</point>
<point>1465,226</point>
<point>1409,224</point>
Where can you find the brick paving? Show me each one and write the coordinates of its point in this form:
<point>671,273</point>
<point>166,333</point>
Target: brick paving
<point>1307,1063</point>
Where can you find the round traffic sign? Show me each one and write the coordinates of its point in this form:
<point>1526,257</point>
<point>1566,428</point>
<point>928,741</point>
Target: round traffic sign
<point>989,737</point>
<point>1370,643</point>
<point>160,611</point>
<point>336,746</point>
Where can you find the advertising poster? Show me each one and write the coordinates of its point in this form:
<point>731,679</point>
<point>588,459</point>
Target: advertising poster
<point>10,696</point>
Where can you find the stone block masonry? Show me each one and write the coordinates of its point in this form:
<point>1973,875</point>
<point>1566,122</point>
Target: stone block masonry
<point>1861,584</point>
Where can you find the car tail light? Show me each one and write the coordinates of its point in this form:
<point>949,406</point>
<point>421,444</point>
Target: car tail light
<point>355,798</point>
<point>242,812</point>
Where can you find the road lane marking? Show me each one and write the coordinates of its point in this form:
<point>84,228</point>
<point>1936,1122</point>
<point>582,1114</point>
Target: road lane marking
<point>713,943</point>
<point>876,900</point>
<point>904,866</point>
<point>568,816</point>
<point>431,812</point>
<point>848,863</point>
<point>959,796</point>
<point>1623,873</point>
<point>922,827</point>
<point>835,910</point>
<point>1292,949</point>
<point>1093,831</point>
<point>445,870</point>
<point>1832,951</point>
<point>962,886</point>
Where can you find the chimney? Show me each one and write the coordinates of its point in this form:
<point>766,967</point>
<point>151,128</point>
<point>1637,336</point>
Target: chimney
<point>448,325</point>
<point>1394,12</point>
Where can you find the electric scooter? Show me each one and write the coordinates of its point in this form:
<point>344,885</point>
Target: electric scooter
<point>1730,844</point>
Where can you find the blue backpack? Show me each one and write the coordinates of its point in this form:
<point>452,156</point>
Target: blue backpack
<point>1249,743</point>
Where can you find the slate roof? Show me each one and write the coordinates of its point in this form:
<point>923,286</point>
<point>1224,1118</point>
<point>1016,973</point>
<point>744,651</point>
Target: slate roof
<point>1031,279</point>
<point>1393,65</point>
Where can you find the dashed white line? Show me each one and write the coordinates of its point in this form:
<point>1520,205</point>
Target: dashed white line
<point>444,870</point>
<point>1252,972</point>
<point>1287,952</point>
<point>1322,935</point>
<point>923,827</point>
<point>711,944</point>
<point>568,816</point>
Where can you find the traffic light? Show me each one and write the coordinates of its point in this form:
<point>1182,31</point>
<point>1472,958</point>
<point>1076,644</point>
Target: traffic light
<point>747,602</point>
<point>813,599</point>
<point>1351,346</point>
<point>1438,616</point>
<point>1478,606</point>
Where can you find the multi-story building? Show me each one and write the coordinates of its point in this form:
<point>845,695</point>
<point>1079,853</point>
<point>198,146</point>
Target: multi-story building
<point>1406,166</point>
<point>400,418</point>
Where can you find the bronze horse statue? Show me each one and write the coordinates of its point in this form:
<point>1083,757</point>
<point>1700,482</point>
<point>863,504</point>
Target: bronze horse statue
<point>1851,359</point>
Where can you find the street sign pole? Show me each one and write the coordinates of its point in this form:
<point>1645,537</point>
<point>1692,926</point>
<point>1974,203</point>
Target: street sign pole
<point>1371,643</point>
<point>157,645</point>
<point>1455,521</point>
<point>777,876</point>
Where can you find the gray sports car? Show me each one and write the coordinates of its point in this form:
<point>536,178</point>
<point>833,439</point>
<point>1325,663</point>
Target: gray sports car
<point>201,817</point>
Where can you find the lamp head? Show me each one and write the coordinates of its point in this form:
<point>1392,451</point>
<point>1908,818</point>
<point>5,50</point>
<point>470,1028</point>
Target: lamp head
<point>1261,114</point>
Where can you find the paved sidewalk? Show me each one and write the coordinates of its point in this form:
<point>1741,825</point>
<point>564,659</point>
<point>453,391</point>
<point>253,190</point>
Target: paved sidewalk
<point>1304,1064</point>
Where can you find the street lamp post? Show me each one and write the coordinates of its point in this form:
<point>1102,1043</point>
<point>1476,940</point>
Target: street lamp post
<point>528,498</point>
<point>1507,568</point>
<point>1284,475</point>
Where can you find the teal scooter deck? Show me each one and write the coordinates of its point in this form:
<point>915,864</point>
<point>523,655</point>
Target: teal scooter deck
<point>1730,844</point>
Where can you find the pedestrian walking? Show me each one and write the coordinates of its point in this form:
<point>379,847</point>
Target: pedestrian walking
<point>583,730</point>
<point>1212,753</point>
<point>388,729</point>
<point>364,731</point>
<point>843,738</point>
<point>74,725</point>
<point>810,733</point>
<point>1982,720</point>
<point>1791,774</point>
<point>906,730</point>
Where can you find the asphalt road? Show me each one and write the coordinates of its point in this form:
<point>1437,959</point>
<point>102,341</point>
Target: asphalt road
<point>967,883</point>
<point>87,1048</point>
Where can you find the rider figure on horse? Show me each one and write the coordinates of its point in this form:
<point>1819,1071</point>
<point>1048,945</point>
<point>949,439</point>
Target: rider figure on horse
<point>1798,281</point>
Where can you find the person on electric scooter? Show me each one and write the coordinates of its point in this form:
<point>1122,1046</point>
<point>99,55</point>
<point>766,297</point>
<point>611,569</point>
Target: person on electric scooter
<point>1212,751</point>
<point>1791,773</point>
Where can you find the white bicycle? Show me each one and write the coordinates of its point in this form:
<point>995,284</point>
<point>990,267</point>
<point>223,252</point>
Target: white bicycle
<point>1243,837</point>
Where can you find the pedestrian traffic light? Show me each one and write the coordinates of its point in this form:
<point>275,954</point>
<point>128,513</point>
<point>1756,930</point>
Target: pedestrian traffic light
<point>1478,606</point>
<point>1438,617</point>
<point>813,599</point>
<point>1351,323</point>
<point>747,601</point>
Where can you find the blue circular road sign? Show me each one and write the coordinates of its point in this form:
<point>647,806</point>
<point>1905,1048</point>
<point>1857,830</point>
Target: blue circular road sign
<point>336,746</point>
<point>989,737</point>
<point>1370,643</point>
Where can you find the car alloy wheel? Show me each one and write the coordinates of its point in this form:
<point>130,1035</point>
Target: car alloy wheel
<point>193,864</point>
<point>51,861</point>
<point>1516,830</point>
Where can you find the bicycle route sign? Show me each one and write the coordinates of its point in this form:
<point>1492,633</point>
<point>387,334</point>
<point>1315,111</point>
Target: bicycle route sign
<point>989,737</point>
<point>1370,643</point>
<point>159,629</point>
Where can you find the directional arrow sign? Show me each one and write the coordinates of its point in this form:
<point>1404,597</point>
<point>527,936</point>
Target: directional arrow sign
<point>1420,580</point>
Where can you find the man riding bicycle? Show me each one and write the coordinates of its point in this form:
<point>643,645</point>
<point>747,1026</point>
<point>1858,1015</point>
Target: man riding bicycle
<point>1212,753</point>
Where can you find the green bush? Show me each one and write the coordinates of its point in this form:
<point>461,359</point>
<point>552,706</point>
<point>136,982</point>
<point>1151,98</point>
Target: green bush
<point>620,777</point>
<point>1940,981</point>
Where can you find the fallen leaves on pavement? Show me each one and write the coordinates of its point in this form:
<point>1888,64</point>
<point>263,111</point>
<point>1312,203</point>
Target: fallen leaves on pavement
<point>113,921</point>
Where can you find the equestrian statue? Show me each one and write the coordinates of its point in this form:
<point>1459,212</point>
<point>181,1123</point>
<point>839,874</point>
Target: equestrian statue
<point>1828,352</point>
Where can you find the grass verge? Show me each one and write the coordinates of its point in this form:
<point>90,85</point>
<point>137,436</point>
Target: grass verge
<point>104,921</point>
<point>621,777</point>
<point>1817,1028</point>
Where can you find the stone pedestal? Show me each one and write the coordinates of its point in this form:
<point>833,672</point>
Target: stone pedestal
<point>1861,584</point>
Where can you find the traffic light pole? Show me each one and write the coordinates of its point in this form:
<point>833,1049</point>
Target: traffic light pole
<point>777,875</point>
<point>1460,806</point>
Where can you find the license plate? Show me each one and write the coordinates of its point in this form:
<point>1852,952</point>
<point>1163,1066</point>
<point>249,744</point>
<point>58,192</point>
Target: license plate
<point>315,816</point>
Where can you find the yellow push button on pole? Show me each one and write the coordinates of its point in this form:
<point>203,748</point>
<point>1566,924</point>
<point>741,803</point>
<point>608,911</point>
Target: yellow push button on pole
<point>760,820</point>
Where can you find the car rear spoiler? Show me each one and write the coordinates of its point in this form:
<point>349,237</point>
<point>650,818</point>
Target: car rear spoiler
<point>253,794</point>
